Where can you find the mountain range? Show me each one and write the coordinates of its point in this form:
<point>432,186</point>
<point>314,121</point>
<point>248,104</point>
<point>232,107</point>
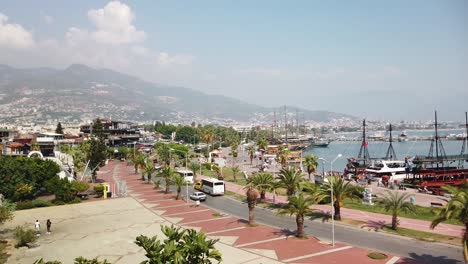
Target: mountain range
<point>79,92</point>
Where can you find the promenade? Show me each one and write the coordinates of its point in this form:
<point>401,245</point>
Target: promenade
<point>107,229</point>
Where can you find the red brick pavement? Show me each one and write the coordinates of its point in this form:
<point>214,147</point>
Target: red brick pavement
<point>285,245</point>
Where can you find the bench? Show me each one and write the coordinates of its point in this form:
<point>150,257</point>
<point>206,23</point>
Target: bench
<point>436,204</point>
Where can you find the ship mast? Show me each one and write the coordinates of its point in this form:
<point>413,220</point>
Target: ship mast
<point>439,148</point>
<point>285,126</point>
<point>363,151</point>
<point>390,151</point>
<point>465,142</point>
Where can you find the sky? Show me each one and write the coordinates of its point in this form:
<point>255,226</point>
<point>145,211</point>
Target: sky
<point>388,60</point>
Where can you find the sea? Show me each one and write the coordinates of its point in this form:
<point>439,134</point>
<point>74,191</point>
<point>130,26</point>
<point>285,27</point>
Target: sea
<point>378,149</point>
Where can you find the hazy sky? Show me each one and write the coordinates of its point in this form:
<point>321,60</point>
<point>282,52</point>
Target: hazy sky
<point>376,59</point>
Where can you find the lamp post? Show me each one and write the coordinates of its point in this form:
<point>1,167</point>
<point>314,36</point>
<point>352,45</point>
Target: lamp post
<point>331,190</point>
<point>186,161</point>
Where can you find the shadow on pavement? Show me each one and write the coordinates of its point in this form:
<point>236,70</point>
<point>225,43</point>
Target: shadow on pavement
<point>428,259</point>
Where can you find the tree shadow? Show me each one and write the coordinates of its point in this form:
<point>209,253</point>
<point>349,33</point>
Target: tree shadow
<point>376,225</point>
<point>428,259</point>
<point>284,232</point>
<point>320,214</point>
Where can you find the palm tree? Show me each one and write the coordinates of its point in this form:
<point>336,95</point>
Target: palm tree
<point>290,179</point>
<point>252,196</point>
<point>283,155</point>
<point>35,146</point>
<point>167,173</point>
<point>195,166</point>
<point>251,150</point>
<point>311,162</point>
<point>299,205</point>
<point>178,181</point>
<point>456,208</point>
<point>235,171</point>
<point>164,153</point>
<point>263,182</point>
<point>341,190</point>
<point>138,161</point>
<point>396,202</point>
<point>208,137</point>
<point>148,169</point>
<point>262,143</point>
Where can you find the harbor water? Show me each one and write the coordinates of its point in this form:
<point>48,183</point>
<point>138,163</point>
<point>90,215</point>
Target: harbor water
<point>378,149</point>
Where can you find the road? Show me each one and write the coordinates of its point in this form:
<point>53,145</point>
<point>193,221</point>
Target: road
<point>425,252</point>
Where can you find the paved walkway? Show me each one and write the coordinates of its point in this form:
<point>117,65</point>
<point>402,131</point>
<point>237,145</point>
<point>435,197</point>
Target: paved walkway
<point>372,219</point>
<point>270,245</point>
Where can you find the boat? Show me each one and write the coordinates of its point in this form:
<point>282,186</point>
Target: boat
<point>395,169</point>
<point>436,169</point>
<point>320,143</point>
<point>403,137</point>
<point>357,166</point>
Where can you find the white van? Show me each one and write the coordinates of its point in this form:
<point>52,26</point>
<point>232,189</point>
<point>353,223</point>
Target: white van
<point>187,174</point>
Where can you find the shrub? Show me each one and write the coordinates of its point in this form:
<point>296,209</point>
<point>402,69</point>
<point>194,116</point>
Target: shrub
<point>41,203</point>
<point>24,205</point>
<point>58,202</point>
<point>99,189</point>
<point>24,236</point>
<point>377,255</point>
<point>6,211</point>
<point>75,201</point>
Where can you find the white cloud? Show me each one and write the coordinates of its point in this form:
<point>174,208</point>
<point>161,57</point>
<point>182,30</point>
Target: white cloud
<point>14,35</point>
<point>47,18</point>
<point>164,59</point>
<point>114,24</point>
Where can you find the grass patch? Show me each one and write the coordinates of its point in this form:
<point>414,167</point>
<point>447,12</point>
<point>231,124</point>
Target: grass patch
<point>217,214</point>
<point>424,236</point>
<point>377,255</point>
<point>236,196</point>
<point>422,213</point>
<point>3,256</point>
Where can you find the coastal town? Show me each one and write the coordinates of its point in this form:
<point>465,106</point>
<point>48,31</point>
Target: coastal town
<point>239,132</point>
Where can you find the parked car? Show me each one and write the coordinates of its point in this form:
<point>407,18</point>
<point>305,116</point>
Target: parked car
<point>198,196</point>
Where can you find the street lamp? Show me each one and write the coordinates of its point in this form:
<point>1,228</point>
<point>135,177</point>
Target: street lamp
<point>331,189</point>
<point>186,162</point>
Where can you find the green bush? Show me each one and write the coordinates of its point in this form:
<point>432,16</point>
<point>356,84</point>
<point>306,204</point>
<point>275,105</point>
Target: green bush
<point>24,236</point>
<point>99,189</point>
<point>41,203</point>
<point>6,212</point>
<point>75,201</point>
<point>24,205</point>
<point>58,202</point>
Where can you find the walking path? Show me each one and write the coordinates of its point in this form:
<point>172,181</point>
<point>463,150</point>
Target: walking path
<point>372,219</point>
<point>239,241</point>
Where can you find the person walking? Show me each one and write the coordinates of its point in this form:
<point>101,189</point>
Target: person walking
<point>37,226</point>
<point>49,224</point>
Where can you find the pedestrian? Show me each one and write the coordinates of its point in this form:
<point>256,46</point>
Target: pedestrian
<point>37,226</point>
<point>49,224</point>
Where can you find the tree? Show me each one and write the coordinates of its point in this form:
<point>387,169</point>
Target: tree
<point>163,151</point>
<point>98,150</point>
<point>263,182</point>
<point>396,202</point>
<point>234,146</point>
<point>283,155</point>
<point>252,196</point>
<point>6,211</point>
<point>300,205</point>
<point>235,171</point>
<point>180,246</point>
<point>290,179</point>
<point>178,181</point>
<point>251,151</point>
<point>35,146</point>
<point>311,162</point>
<point>195,166</point>
<point>262,143</point>
<point>456,208</point>
<point>59,129</point>
<point>79,186</point>
<point>167,173</point>
<point>341,190</point>
<point>138,161</point>
<point>148,169</point>
<point>208,137</point>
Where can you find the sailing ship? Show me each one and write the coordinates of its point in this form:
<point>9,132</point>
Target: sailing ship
<point>437,169</point>
<point>357,166</point>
